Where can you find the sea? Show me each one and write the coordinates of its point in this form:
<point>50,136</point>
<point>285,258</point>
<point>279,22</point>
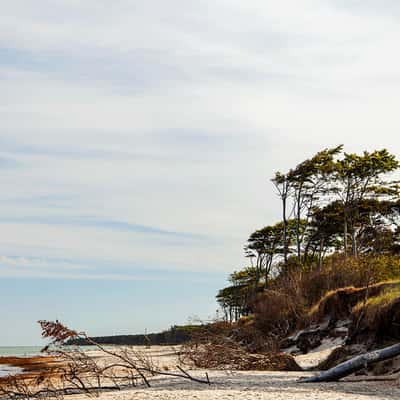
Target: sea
<point>19,351</point>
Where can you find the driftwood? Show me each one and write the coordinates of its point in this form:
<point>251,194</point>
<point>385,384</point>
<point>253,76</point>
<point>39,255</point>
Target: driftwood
<point>348,367</point>
<point>77,372</point>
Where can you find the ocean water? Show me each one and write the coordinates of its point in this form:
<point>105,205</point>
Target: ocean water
<point>19,351</point>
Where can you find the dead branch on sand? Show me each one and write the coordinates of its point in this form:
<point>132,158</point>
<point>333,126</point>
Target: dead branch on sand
<point>348,367</point>
<point>211,348</point>
<point>76,372</point>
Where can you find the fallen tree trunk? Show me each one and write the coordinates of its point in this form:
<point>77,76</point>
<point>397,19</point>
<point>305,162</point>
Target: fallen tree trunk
<point>348,367</point>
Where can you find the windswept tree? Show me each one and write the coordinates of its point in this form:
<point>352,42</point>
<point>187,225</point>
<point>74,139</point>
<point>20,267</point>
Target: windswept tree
<point>267,245</point>
<point>328,201</point>
<point>235,299</point>
<point>264,244</point>
<point>309,180</point>
<point>283,186</point>
<point>357,177</point>
<point>324,232</point>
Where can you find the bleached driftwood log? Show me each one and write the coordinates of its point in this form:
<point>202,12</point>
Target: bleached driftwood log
<point>348,367</point>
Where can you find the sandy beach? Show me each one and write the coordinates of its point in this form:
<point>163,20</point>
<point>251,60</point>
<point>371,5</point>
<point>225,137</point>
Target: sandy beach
<point>252,385</point>
<point>248,385</point>
<point>244,385</point>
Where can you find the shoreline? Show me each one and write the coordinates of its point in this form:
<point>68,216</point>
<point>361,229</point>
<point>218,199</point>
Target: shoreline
<point>7,370</point>
<point>26,366</point>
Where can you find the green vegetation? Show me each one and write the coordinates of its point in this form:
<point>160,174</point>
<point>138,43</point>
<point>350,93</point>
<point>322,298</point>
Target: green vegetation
<point>384,299</point>
<point>339,227</point>
<point>378,314</point>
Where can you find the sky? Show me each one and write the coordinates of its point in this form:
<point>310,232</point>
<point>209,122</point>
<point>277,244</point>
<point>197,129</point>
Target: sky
<point>138,139</point>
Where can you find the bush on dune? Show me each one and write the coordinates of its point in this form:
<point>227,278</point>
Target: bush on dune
<point>378,316</point>
<point>299,297</point>
<point>340,303</point>
<point>277,313</point>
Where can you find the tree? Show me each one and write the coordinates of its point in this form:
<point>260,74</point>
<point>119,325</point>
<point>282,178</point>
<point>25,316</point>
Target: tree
<point>264,244</point>
<point>324,231</point>
<point>267,243</point>
<point>283,186</point>
<point>309,180</point>
<point>235,299</point>
<point>357,177</point>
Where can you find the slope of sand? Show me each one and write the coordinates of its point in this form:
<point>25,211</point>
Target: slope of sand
<point>315,356</point>
<point>247,385</point>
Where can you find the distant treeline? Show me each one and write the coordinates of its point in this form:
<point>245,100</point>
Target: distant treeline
<point>174,335</point>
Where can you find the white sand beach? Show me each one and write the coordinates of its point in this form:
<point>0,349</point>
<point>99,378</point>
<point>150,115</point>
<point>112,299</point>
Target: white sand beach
<point>252,385</point>
<point>247,385</point>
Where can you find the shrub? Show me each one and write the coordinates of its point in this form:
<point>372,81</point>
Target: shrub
<point>379,315</point>
<point>342,303</point>
<point>276,313</point>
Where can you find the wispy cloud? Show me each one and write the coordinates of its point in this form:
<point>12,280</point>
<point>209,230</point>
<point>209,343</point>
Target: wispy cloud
<point>93,222</point>
<point>35,264</point>
<point>6,162</point>
<point>165,146</point>
<point>89,269</point>
<point>47,200</point>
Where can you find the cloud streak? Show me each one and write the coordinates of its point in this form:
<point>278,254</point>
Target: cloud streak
<point>6,162</point>
<point>100,223</point>
<point>91,270</point>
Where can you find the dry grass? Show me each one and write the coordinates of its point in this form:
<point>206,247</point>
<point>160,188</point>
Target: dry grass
<point>340,303</point>
<point>377,303</point>
<point>277,313</point>
<point>379,315</point>
<point>305,294</point>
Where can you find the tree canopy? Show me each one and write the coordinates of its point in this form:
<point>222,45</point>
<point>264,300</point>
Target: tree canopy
<point>332,202</point>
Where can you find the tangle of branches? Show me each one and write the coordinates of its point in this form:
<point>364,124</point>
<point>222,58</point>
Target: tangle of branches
<point>78,372</point>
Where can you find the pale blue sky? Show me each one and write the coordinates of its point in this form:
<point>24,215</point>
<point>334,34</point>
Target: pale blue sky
<point>137,139</point>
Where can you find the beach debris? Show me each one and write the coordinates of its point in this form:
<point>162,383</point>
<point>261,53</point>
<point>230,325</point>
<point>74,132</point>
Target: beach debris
<point>78,372</point>
<point>354,364</point>
<point>224,353</point>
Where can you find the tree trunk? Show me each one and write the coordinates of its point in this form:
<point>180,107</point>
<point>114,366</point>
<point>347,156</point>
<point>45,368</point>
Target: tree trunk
<point>353,238</point>
<point>257,275</point>
<point>298,217</point>
<point>284,228</point>
<point>256,281</point>
<point>354,364</point>
<point>307,249</point>
<point>345,232</point>
<point>268,264</point>
<point>320,252</point>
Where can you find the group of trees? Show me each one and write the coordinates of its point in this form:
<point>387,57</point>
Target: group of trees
<point>332,202</point>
